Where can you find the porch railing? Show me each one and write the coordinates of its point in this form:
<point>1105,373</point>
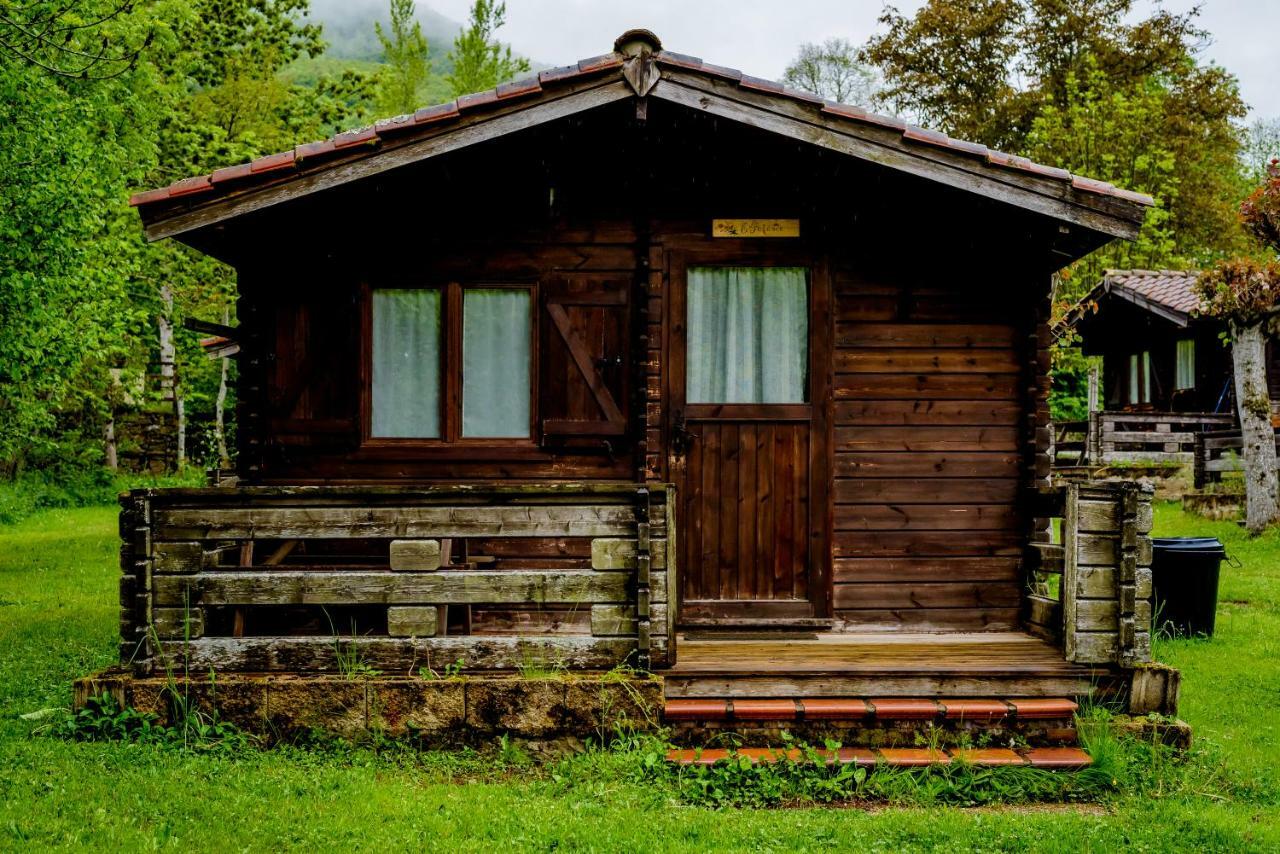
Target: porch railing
<point>1091,586</point>
<point>1108,438</point>
<point>397,579</point>
<point>1218,452</point>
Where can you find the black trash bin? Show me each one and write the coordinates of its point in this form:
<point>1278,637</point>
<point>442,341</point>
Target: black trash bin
<point>1184,572</point>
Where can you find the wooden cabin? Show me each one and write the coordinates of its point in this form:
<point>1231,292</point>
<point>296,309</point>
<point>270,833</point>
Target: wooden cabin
<point>1166,371</point>
<point>644,360</point>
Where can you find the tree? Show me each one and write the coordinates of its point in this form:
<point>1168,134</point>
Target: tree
<point>479,61</point>
<point>1025,76</point>
<point>405,53</point>
<point>72,140</point>
<point>1246,293</point>
<point>1262,145</point>
<point>833,71</point>
<point>1088,86</point>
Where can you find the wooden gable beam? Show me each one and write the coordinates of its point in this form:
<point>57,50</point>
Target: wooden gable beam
<point>481,128</point>
<point>1113,217</point>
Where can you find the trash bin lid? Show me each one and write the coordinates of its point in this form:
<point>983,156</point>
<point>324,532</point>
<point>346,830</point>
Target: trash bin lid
<point>1189,544</point>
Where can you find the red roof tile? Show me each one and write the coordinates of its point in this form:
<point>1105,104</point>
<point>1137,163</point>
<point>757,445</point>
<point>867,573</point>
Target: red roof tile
<point>315,151</point>
<point>1167,292</point>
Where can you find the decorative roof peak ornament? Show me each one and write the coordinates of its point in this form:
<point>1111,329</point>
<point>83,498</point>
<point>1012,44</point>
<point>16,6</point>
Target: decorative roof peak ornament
<point>640,67</point>
<point>636,42</point>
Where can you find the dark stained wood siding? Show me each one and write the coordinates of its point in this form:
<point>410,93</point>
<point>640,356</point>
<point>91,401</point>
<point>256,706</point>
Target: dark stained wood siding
<point>929,463</point>
<point>749,517</point>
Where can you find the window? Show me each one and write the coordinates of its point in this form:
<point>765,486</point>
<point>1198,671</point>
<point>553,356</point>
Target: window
<point>495,363</point>
<point>1140,378</point>
<point>414,331</point>
<point>406,363</point>
<point>1185,372</point>
<point>747,334</point>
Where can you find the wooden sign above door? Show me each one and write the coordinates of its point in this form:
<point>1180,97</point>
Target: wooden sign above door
<point>755,228</point>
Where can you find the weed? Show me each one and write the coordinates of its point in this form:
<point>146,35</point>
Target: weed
<point>347,655</point>
<point>104,719</point>
<point>452,670</point>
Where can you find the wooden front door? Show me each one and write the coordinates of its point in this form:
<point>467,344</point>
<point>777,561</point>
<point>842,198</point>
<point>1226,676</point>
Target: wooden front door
<point>748,387</point>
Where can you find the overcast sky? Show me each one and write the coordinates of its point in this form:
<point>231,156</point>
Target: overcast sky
<point>761,36</point>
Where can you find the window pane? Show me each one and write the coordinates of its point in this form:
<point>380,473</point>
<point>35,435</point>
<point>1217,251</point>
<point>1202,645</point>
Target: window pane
<point>748,335</point>
<point>496,356</point>
<point>1146,377</point>
<point>1133,378</point>
<point>1186,366</point>
<point>406,363</point>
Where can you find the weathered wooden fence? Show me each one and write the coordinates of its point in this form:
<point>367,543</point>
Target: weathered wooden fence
<point>1102,564</point>
<point>396,579</point>
<point>1107,438</point>
<point>1218,452</point>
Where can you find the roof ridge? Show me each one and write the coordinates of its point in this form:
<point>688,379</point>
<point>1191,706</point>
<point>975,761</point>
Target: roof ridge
<point>372,136</point>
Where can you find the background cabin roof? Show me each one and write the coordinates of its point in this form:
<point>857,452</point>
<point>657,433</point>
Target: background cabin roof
<point>639,67</point>
<point>1167,293</point>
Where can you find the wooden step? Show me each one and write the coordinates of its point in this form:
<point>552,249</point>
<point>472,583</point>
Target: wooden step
<point>1047,758</point>
<point>870,709</point>
<point>1079,682</point>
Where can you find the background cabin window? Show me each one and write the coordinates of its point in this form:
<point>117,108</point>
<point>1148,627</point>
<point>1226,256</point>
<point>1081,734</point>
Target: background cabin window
<point>406,363</point>
<point>748,335</point>
<point>496,354</point>
<point>1185,374</point>
<point>1140,378</point>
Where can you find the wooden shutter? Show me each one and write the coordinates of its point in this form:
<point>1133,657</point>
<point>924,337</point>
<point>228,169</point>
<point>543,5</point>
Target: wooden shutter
<point>583,358</point>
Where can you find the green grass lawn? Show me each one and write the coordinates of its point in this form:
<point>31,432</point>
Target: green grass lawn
<point>58,617</point>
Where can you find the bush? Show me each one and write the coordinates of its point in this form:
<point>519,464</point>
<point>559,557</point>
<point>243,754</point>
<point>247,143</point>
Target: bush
<point>33,491</point>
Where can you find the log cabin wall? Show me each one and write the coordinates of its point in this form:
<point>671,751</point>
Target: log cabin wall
<point>935,424</point>
<point>306,357</point>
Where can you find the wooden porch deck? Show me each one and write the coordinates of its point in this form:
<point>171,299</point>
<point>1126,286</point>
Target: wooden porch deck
<point>877,664</point>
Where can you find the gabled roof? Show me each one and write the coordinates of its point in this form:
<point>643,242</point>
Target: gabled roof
<point>638,67</point>
<point>1167,293</point>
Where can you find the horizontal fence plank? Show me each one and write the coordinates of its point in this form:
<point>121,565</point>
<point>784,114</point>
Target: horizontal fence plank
<point>1045,612</point>
<point>443,587</point>
<point>1101,615</point>
<point>310,654</point>
<point>453,521</point>
<point>1099,582</point>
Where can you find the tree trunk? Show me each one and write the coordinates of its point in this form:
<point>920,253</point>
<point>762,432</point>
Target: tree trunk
<point>169,375</point>
<point>1248,349</point>
<point>220,405</point>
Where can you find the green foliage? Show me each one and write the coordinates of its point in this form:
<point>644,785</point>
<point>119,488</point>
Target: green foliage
<point>405,52</point>
<point>102,719</point>
<point>69,148</point>
<point>479,61</point>
<point>74,486</point>
<point>1243,290</point>
<point>1260,212</point>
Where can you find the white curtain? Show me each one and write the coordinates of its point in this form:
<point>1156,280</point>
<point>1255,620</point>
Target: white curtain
<point>747,335</point>
<point>496,353</point>
<point>406,363</point>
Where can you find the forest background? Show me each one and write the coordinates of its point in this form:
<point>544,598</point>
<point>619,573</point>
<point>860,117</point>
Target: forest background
<point>101,98</point>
